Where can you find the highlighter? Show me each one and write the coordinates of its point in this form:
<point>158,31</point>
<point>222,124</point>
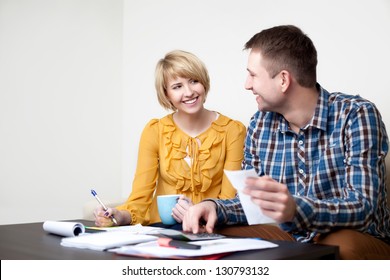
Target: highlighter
<point>168,242</point>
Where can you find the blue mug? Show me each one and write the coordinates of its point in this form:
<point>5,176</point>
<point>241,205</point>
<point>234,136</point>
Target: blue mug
<point>165,204</point>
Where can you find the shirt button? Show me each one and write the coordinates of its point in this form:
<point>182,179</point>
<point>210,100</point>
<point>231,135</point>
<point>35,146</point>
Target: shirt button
<point>300,142</point>
<point>301,171</point>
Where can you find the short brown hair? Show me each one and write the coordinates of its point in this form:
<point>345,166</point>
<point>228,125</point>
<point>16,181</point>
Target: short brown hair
<point>182,64</point>
<point>286,47</point>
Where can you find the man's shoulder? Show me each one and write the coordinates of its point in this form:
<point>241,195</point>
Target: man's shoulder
<point>344,98</point>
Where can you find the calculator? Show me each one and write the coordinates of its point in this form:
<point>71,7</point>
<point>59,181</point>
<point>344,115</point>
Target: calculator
<point>187,236</point>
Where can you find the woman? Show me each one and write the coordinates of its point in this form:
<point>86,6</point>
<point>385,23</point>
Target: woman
<point>183,153</point>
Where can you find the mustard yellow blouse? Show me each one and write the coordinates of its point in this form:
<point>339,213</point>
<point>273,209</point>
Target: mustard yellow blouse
<point>171,162</point>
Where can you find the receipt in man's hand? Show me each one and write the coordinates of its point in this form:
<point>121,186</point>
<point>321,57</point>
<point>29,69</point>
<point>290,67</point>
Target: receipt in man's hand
<point>252,211</point>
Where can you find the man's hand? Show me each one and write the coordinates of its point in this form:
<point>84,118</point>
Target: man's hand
<point>203,211</point>
<point>273,198</point>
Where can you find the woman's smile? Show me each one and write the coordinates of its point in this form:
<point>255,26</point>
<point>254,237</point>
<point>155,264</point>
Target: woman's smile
<point>191,101</point>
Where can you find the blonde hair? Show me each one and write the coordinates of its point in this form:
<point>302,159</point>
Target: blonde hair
<point>182,64</point>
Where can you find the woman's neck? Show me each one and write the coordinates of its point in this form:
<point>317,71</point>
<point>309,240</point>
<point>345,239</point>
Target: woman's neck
<point>194,124</point>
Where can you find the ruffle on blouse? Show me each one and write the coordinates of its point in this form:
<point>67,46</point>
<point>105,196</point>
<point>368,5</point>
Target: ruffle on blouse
<point>196,177</point>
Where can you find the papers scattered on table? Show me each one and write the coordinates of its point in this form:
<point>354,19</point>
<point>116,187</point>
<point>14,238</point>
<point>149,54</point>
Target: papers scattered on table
<point>208,247</point>
<point>141,240</point>
<point>253,213</point>
<point>105,240</point>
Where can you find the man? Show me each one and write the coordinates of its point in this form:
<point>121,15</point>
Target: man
<point>320,156</point>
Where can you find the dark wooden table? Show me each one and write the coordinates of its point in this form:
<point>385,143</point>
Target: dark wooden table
<point>30,242</point>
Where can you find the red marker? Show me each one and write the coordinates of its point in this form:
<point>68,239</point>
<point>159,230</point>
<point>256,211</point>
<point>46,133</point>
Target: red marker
<point>167,242</point>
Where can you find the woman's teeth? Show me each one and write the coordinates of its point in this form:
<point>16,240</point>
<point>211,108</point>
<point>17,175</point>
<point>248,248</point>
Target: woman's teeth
<point>190,101</point>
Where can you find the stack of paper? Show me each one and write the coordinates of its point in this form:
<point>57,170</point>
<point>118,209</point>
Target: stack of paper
<point>105,240</point>
<point>136,229</point>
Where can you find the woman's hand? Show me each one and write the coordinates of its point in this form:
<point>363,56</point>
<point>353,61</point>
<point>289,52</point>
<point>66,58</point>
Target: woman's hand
<point>181,208</point>
<point>103,218</point>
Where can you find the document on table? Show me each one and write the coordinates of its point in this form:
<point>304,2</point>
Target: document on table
<point>253,213</point>
<point>137,229</point>
<point>105,240</point>
<point>208,247</point>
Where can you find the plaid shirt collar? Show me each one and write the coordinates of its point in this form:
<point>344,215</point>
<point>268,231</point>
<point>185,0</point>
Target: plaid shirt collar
<point>320,117</point>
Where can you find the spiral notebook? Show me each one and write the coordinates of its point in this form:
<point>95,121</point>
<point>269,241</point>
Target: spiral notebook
<point>105,240</point>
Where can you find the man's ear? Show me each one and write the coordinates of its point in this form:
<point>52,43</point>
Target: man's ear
<point>285,80</point>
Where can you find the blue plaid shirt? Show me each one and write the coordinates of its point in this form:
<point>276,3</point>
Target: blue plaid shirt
<point>334,167</point>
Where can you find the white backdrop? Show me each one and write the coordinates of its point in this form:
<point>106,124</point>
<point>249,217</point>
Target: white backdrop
<point>351,36</point>
<point>60,106</point>
<point>77,82</point>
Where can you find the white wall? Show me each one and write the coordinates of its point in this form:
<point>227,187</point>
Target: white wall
<point>71,117</point>
<point>351,36</point>
<point>60,106</point>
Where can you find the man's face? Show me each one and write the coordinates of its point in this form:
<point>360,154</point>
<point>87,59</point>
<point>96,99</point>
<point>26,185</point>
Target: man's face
<point>264,87</point>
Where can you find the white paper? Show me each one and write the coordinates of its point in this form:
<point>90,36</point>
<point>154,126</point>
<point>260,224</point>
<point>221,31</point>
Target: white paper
<point>208,247</point>
<point>136,229</point>
<point>64,228</point>
<point>105,240</point>
<point>253,213</point>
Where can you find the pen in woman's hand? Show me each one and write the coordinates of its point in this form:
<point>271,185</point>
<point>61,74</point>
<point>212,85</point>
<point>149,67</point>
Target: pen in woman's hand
<point>104,206</point>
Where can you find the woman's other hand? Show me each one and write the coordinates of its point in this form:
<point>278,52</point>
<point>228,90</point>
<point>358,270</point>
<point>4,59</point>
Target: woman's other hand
<point>181,208</point>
